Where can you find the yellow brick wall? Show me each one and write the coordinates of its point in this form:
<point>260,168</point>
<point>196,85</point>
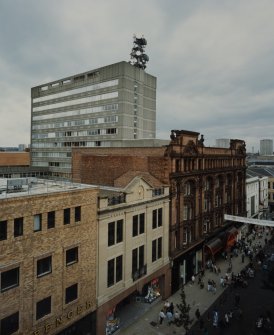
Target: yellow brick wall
<point>26,249</point>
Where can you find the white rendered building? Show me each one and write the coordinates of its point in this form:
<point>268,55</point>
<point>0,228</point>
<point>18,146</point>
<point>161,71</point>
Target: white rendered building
<point>266,147</point>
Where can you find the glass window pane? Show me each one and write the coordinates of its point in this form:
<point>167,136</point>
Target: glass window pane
<point>142,223</point>
<point>51,220</point>
<point>18,227</point>
<point>43,307</point>
<point>135,225</point>
<point>71,293</point>
<point>10,324</point>
<point>3,230</point>
<point>119,268</point>
<point>111,272</point>
<point>37,224</point>
<point>44,266</point>
<point>111,233</point>
<point>67,216</point>
<point>72,256</point>
<point>9,279</point>
<point>154,251</point>
<point>119,231</point>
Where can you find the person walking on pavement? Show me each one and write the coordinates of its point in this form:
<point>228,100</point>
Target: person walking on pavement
<point>243,257</point>
<point>169,316</point>
<point>198,314</point>
<point>215,318</point>
<point>226,320</point>
<point>162,316</point>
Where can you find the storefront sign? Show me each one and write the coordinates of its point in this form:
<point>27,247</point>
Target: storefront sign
<point>61,320</point>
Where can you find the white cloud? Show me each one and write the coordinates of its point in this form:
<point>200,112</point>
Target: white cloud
<point>212,59</point>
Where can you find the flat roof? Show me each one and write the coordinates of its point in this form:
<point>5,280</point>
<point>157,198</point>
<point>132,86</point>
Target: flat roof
<point>19,187</point>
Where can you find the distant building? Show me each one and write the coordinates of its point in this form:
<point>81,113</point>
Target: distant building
<point>99,108</point>
<point>266,147</point>
<point>222,143</point>
<point>22,147</point>
<point>264,171</point>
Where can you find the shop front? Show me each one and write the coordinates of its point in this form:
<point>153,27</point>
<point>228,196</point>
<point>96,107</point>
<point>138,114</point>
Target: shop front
<point>185,266</point>
<point>85,326</point>
<point>231,238</point>
<point>117,312</point>
<point>151,291</point>
<point>212,248</point>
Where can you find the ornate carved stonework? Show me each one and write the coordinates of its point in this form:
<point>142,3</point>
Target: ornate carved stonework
<point>191,149</point>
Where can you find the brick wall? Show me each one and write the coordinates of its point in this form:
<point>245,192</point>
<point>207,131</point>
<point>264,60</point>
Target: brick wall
<point>24,251</point>
<point>14,158</point>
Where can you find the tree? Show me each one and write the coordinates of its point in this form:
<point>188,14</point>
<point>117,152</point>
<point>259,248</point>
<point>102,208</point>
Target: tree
<point>184,308</point>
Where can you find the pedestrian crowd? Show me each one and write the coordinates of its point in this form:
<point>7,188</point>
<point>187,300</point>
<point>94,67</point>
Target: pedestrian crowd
<point>168,313</point>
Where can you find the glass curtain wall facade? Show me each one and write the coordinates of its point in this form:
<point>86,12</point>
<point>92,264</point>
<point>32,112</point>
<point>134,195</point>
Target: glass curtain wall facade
<point>99,108</point>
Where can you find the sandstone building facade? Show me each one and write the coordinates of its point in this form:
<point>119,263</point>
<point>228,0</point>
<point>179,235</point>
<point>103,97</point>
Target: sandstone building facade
<point>133,256</point>
<point>48,249</point>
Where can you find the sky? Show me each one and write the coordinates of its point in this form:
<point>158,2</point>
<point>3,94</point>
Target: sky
<point>213,59</point>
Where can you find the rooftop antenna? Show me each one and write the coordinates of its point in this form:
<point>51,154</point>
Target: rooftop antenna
<point>138,58</point>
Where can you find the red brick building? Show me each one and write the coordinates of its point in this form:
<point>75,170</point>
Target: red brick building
<point>205,183</point>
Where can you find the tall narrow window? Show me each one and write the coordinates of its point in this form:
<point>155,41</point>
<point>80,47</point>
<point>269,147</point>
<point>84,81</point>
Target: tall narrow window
<point>157,218</point>
<point>159,247</point>
<point>3,230</point>
<point>67,216</point>
<point>18,227</point>
<point>119,237</point>
<point>135,226</point>
<point>119,268</point>
<point>160,217</point>
<point>134,260</point>
<point>141,256</point>
<point>142,223</point>
<point>43,307</point>
<point>110,272</point>
<point>71,293</point>
<point>51,220</point>
<point>154,219</point>
<point>77,214</point>
<point>154,250</point>
<point>111,233</point>
<point>37,223</point>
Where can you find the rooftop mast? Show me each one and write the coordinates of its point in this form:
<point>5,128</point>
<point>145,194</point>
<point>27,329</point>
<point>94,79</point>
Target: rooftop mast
<point>138,58</point>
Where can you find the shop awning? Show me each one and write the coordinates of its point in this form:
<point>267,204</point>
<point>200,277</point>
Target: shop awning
<point>214,246</point>
<point>232,232</point>
<point>231,236</point>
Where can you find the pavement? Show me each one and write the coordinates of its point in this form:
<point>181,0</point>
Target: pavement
<point>142,319</point>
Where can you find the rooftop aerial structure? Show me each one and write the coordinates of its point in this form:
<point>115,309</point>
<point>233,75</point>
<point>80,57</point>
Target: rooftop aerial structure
<point>138,58</point>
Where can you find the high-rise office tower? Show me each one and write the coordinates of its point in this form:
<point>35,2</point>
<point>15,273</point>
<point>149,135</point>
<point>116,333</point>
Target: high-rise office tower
<point>99,108</point>
<point>266,147</point>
